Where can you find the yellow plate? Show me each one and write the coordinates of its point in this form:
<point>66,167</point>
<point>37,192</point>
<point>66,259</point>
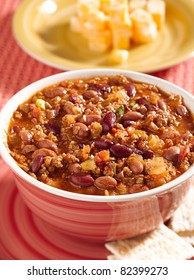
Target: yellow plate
<point>41,28</point>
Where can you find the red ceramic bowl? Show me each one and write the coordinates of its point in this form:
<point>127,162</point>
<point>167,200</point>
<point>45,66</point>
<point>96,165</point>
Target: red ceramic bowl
<point>97,218</point>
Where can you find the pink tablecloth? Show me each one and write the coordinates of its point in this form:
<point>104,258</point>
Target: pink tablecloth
<point>18,69</point>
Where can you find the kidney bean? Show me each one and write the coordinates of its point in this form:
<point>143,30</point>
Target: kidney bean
<point>49,144</point>
<point>44,152</point>
<point>102,88</point>
<point>88,94</point>
<point>108,122</point>
<point>181,110</point>
<point>148,105</point>
<point>103,144</point>
<point>172,153</point>
<point>105,182</point>
<point>26,136</point>
<point>74,168</point>
<point>53,127</point>
<point>82,180</point>
<point>36,163</point>
<point>55,91</point>
<point>130,88</point>
<point>73,98</point>
<point>136,166</point>
<point>132,116</point>
<point>120,151</point>
<point>142,101</point>
<point>148,154</point>
<point>161,104</point>
<point>137,151</point>
<point>80,130</point>
<point>16,128</point>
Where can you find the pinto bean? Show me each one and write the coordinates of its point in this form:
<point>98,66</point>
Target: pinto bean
<point>183,153</point>
<point>49,144</point>
<point>44,152</point>
<point>82,180</point>
<point>55,91</point>
<point>127,123</point>
<point>132,116</point>
<point>161,104</point>
<point>92,118</point>
<point>136,166</point>
<point>71,108</point>
<point>88,94</point>
<point>181,110</point>
<point>80,130</point>
<point>26,136</point>
<point>74,168</point>
<point>28,149</point>
<point>169,133</point>
<point>105,182</point>
<point>172,153</point>
<point>36,163</point>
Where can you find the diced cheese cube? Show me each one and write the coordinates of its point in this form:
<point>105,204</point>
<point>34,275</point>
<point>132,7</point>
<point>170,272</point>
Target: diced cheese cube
<point>118,56</point>
<point>136,4</point>
<point>144,27</point>
<point>157,9</point>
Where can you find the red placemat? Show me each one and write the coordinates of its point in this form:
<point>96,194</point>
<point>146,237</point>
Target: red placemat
<point>18,69</point>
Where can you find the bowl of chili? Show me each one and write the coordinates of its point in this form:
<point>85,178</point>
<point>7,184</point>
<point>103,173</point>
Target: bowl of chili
<point>100,154</point>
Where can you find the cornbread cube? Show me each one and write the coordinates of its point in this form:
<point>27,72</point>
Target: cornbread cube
<point>118,56</point>
<point>98,21</point>
<point>136,4</point>
<point>100,41</point>
<point>119,13</point>
<point>157,9</point>
<point>121,38</point>
<point>76,24</point>
<point>107,24</point>
<point>105,6</point>
<point>144,27</point>
<point>85,7</point>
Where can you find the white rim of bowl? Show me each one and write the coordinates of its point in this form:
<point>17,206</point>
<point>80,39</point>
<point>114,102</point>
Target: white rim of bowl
<point>73,74</point>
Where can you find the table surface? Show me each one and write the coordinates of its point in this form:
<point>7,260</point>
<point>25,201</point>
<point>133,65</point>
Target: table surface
<point>18,69</point>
